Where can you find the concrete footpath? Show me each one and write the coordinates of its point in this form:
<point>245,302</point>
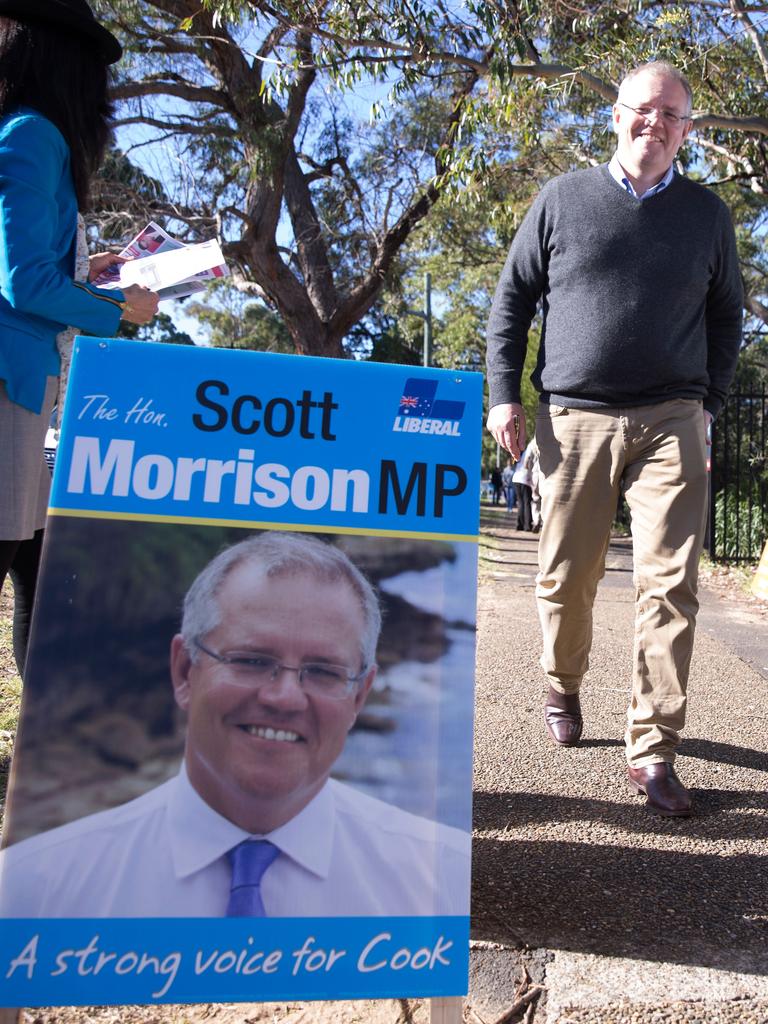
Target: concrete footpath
<point>586,908</point>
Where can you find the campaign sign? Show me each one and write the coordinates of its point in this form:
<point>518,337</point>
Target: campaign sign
<point>243,769</point>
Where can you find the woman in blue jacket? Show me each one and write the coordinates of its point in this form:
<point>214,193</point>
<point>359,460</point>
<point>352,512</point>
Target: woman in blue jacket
<point>54,128</point>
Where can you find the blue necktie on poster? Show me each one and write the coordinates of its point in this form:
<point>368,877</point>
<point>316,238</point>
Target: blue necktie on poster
<point>249,860</point>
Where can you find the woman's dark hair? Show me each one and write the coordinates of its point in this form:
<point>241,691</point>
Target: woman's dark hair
<point>61,75</point>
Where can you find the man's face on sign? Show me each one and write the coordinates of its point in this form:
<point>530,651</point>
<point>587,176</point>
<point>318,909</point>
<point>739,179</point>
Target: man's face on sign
<point>261,740</point>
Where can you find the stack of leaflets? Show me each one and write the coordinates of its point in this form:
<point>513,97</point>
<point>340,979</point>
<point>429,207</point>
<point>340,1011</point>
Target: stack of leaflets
<point>165,265</point>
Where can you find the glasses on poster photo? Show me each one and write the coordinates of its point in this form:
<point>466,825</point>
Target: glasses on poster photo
<point>253,669</point>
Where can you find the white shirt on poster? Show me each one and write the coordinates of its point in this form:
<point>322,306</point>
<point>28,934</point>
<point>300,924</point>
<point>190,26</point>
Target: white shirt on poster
<point>164,855</point>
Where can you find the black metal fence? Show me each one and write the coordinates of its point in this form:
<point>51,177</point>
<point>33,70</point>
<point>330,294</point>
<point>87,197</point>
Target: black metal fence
<point>738,510</point>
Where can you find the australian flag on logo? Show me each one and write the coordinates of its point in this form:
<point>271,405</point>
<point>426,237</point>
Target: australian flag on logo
<point>418,397</point>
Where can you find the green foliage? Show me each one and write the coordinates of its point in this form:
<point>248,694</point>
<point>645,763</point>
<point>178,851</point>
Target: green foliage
<point>464,248</point>
<point>10,701</point>
<point>741,528</point>
<point>124,196</point>
<point>161,329</point>
<point>752,371</point>
<point>740,467</point>
<point>230,319</point>
<point>391,345</point>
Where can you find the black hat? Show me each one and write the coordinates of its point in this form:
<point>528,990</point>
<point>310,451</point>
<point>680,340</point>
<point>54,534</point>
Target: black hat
<point>74,15</point>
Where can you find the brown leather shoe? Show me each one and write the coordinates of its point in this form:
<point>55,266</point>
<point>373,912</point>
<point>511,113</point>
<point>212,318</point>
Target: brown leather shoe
<point>664,792</point>
<point>562,717</point>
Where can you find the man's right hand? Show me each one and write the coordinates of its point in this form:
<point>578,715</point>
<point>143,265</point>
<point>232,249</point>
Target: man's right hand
<point>140,304</point>
<point>507,424</point>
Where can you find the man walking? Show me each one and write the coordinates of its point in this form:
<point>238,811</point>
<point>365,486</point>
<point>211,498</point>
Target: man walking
<point>637,271</point>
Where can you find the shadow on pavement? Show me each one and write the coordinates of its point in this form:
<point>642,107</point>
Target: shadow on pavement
<point>514,811</point>
<point>661,905</point>
<point>725,753</point>
<point>485,560</point>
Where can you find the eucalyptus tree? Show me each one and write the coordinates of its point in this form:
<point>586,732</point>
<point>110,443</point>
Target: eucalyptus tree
<point>316,138</point>
<point>230,318</point>
<point>264,150</point>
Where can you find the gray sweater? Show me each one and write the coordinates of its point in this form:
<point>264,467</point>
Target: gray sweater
<point>642,300</point>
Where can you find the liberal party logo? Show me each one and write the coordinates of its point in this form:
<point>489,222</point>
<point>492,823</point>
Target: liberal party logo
<point>421,412</point>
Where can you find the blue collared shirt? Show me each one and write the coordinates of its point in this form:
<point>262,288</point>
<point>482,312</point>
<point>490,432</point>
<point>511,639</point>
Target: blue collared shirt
<point>619,174</point>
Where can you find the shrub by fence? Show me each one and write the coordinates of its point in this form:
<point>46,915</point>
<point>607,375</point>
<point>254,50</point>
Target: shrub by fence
<point>738,518</point>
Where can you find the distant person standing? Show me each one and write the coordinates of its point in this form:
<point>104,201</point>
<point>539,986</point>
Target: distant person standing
<point>496,485</point>
<point>507,479</point>
<point>54,129</point>
<point>522,479</point>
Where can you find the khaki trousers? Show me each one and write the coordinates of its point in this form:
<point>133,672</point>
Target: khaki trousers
<point>656,454</point>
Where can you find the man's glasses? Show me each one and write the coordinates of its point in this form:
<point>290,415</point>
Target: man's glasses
<point>672,119</point>
<point>317,679</point>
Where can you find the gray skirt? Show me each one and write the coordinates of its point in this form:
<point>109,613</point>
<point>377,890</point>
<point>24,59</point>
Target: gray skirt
<point>25,480</point>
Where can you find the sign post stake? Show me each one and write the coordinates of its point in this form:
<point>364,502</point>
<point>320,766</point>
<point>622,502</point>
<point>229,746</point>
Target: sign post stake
<point>445,1010</point>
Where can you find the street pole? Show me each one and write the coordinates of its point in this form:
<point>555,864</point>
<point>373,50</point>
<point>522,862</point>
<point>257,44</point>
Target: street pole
<point>427,319</point>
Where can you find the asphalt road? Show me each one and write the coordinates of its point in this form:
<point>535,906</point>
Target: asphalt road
<point>619,914</point>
